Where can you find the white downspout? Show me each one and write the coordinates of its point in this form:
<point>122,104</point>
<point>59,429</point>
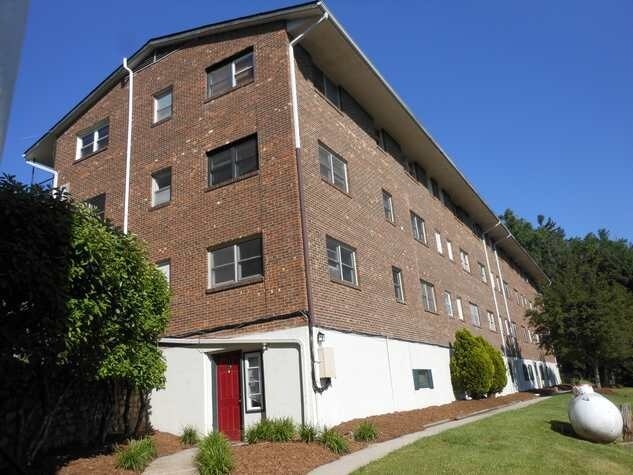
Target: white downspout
<point>494,294</point>
<point>46,169</point>
<point>128,152</point>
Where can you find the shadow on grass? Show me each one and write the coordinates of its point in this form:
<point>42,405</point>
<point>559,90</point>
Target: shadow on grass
<point>563,428</point>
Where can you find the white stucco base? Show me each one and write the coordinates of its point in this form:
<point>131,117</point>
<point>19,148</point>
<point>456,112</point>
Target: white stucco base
<point>373,375</point>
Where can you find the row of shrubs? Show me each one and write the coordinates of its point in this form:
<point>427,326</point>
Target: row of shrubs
<point>477,368</point>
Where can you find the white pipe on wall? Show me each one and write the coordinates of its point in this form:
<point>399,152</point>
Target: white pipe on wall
<point>128,152</point>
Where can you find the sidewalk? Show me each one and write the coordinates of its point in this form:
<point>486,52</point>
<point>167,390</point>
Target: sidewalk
<point>359,459</point>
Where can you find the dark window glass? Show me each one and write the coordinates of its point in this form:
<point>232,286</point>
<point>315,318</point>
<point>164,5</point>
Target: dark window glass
<point>224,77</point>
<point>236,262</point>
<point>333,168</point>
<point>422,378</point>
<point>97,204</point>
<point>396,274</point>
<point>233,161</point>
<point>435,189</point>
<point>341,261</point>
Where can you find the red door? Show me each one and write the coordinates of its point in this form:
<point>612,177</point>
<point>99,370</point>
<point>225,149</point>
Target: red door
<point>228,394</point>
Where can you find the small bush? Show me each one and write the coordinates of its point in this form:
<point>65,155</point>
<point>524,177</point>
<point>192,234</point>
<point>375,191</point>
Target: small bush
<point>334,441</point>
<point>214,455</point>
<point>308,433</point>
<point>272,430</point>
<point>189,436</point>
<point>137,455</point>
<point>471,367</point>
<point>365,432</point>
<point>499,375</point>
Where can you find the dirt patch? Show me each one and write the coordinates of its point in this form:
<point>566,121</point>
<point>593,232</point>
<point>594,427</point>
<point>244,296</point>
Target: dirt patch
<point>103,463</point>
<point>299,458</point>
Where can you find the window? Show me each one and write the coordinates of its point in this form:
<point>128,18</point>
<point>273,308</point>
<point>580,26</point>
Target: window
<point>506,288</point>
<point>463,256</point>
<point>516,296</point>
<point>435,188</point>
<point>460,308</point>
<point>389,145</point>
<point>235,263</point>
<point>428,296</point>
<point>482,273</point>
<point>419,173</point>
<point>474,315</point>
<point>449,250</point>
<point>162,105</point>
<point>448,303</point>
<point>540,367</point>
<point>232,161</point>
<point>341,261</point>
<point>161,187</point>
<point>491,321</point>
<point>422,378</point>
<point>327,87</point>
<point>397,284</point>
<point>165,268</point>
<point>438,243</point>
<point>531,371</point>
<point>511,370</point>
<point>387,204</point>
<point>97,204</point>
<point>417,228</point>
<point>333,168</point>
<point>253,386</point>
<point>93,140</point>
<point>230,74</point>
<point>526,375</point>
<point>514,329</point>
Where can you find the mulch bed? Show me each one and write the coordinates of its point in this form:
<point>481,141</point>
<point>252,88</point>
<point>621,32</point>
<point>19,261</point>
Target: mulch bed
<point>298,457</point>
<point>103,464</point>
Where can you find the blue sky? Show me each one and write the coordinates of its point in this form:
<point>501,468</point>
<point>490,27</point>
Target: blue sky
<point>532,100</point>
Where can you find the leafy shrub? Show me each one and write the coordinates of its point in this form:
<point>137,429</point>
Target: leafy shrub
<point>471,368</point>
<point>365,432</point>
<point>499,375</point>
<point>272,430</point>
<point>334,441</point>
<point>137,455</point>
<point>308,433</point>
<point>189,436</point>
<point>214,455</point>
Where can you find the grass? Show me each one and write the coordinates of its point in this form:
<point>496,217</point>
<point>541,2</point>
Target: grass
<point>214,455</point>
<point>189,436</point>
<point>308,433</point>
<point>334,441</point>
<point>536,439</point>
<point>272,430</point>
<point>365,432</point>
<point>136,455</point>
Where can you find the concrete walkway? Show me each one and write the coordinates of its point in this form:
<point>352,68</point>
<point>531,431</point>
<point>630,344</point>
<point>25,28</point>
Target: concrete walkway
<point>356,460</point>
<point>182,463</point>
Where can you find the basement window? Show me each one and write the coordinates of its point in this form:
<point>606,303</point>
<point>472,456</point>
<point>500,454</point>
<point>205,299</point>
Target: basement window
<point>253,382</point>
<point>232,73</point>
<point>422,378</point>
<point>93,140</point>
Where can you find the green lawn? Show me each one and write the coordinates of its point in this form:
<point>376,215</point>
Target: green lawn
<point>521,441</point>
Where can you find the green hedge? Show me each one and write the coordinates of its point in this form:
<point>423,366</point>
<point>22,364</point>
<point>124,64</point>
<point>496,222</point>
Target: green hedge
<point>472,370</point>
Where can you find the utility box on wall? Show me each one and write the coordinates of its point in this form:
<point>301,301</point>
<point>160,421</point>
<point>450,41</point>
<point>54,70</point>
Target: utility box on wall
<point>326,363</point>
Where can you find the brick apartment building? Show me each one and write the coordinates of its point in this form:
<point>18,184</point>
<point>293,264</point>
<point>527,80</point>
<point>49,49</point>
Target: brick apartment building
<point>321,248</point>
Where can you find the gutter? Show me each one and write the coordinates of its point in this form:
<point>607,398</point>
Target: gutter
<point>128,150</point>
<point>46,169</point>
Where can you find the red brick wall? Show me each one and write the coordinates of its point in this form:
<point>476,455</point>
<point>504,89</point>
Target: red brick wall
<point>196,218</point>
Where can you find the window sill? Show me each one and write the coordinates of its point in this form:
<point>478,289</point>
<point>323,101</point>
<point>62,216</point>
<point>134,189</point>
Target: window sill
<point>431,312</point>
<point>159,206</point>
<point>234,285</point>
<point>232,180</point>
<point>401,302</point>
<point>345,283</point>
<point>421,242</point>
<point>162,121</point>
<point>217,96</point>
<point>346,193</point>
<point>90,155</point>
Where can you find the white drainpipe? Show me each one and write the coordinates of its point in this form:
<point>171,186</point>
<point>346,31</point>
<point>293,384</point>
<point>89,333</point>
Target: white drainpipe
<point>46,169</point>
<point>128,153</point>
<point>492,287</point>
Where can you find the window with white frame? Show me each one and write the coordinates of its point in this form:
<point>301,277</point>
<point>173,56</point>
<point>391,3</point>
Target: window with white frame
<point>235,263</point>
<point>516,297</point>
<point>398,287</point>
<point>165,268</point>
<point>341,261</point>
<point>417,228</point>
<point>428,296</point>
<point>482,273</point>
<point>474,315</point>
<point>162,105</point>
<point>230,74</point>
<point>438,243</point>
<point>232,161</point>
<point>387,204</point>
<point>161,187</point>
<point>506,289</point>
<point>491,321</point>
<point>333,168</point>
<point>449,250</point>
<point>448,303</point>
<point>463,257</point>
<point>253,385</point>
<point>460,308</point>
<point>513,328</point>
<point>93,140</point>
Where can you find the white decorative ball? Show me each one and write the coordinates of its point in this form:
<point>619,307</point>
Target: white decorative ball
<point>594,417</point>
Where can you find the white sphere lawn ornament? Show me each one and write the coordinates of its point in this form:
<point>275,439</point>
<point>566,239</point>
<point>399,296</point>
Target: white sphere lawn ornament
<point>593,416</point>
